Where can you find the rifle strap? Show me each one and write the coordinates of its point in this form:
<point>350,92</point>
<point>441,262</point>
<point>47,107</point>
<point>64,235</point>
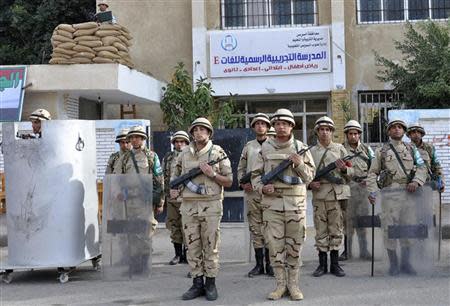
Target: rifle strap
<point>133,158</point>
<point>322,159</point>
<point>398,159</point>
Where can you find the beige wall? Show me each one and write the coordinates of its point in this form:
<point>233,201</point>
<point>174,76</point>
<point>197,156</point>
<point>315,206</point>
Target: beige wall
<point>46,100</point>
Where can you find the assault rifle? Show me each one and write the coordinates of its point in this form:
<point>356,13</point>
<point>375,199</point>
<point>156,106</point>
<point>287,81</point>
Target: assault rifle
<point>323,172</point>
<point>192,174</point>
<point>246,178</point>
<point>269,176</point>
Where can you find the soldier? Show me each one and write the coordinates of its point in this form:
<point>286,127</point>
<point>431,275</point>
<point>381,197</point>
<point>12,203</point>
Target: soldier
<point>201,207</point>
<point>36,119</point>
<point>179,140</point>
<point>428,153</point>
<point>357,204</point>
<point>284,202</point>
<point>114,159</point>
<point>142,160</point>
<point>328,194</point>
<point>271,132</point>
<point>260,124</point>
<point>399,165</point>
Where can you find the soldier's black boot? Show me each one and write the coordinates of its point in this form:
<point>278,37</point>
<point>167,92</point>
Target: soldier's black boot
<point>363,252</point>
<point>334,265</point>
<point>323,265</point>
<point>183,258</point>
<point>344,255</point>
<point>269,269</point>
<point>405,266</point>
<point>210,288</point>
<point>197,289</point>
<point>393,262</point>
<point>178,254</point>
<point>259,268</point>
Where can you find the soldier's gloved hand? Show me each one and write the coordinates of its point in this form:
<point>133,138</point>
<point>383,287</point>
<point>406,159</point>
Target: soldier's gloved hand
<point>268,189</point>
<point>340,164</point>
<point>206,169</point>
<point>296,159</point>
<point>247,187</point>
<point>411,187</point>
<point>372,198</point>
<point>314,186</point>
<point>174,193</point>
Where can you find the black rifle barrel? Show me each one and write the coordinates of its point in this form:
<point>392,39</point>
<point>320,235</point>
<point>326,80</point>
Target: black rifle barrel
<point>331,166</point>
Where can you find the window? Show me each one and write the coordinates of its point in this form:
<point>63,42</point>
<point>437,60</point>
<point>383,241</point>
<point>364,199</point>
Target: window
<point>238,14</point>
<point>377,11</point>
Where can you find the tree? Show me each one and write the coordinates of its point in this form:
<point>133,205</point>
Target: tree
<point>423,75</point>
<point>26,27</point>
<point>181,104</point>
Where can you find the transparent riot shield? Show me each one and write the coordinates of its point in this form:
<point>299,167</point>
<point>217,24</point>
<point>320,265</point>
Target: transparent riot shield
<point>126,226</point>
<point>410,240</point>
<point>358,227</point>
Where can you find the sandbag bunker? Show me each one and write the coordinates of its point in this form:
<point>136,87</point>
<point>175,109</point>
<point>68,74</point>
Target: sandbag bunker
<point>90,42</point>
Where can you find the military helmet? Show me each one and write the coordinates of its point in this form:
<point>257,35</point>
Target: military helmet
<point>396,121</point>
<point>104,3</point>
<point>138,131</point>
<point>260,117</point>
<point>180,135</point>
<point>324,121</point>
<point>40,114</point>
<point>352,125</point>
<point>202,122</point>
<point>122,135</point>
<point>284,115</point>
<point>271,132</point>
<point>416,127</point>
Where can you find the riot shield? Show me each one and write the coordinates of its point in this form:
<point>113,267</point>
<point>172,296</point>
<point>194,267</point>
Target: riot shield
<point>409,236</point>
<point>358,227</point>
<point>126,226</point>
<point>51,195</point>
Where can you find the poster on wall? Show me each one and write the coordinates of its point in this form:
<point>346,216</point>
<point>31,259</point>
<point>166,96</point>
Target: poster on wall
<point>12,82</point>
<point>269,52</point>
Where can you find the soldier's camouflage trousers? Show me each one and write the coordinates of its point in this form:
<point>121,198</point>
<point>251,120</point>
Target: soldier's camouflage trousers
<point>255,219</point>
<point>356,206</point>
<point>173,222</point>
<point>328,223</point>
<point>285,233</point>
<point>202,234</point>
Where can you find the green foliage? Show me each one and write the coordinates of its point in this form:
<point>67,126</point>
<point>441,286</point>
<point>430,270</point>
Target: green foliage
<point>347,109</point>
<point>26,27</point>
<point>181,104</point>
<point>423,75</point>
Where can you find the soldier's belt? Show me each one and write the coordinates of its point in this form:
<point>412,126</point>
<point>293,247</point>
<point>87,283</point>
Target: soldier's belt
<point>359,179</point>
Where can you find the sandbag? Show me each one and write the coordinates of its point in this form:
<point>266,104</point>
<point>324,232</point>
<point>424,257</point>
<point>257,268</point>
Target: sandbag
<point>67,45</point>
<point>64,51</point>
<point>56,43</point>
<point>107,26</point>
<point>123,28</point>
<point>66,27</point>
<point>61,38</point>
<point>64,33</point>
<point>91,44</point>
<point>87,38</point>
<point>88,55</point>
<point>108,54</point>
<point>124,40</point>
<point>109,40</point>
<point>85,25</point>
<point>120,46</point>
<point>85,32</point>
<point>81,48</point>
<point>81,60</point>
<point>60,55</point>
<point>127,35</point>
<point>104,33</point>
<point>106,48</point>
<point>59,60</point>
<point>123,54</point>
<point>102,60</point>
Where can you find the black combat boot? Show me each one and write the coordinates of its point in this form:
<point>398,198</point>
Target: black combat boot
<point>393,262</point>
<point>259,268</point>
<point>363,252</point>
<point>210,288</point>
<point>269,269</point>
<point>197,289</point>
<point>178,254</point>
<point>323,265</point>
<point>405,265</point>
<point>183,258</point>
<point>344,255</point>
<point>334,265</point>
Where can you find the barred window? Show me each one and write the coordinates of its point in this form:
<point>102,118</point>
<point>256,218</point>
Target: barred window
<point>378,11</point>
<point>238,14</point>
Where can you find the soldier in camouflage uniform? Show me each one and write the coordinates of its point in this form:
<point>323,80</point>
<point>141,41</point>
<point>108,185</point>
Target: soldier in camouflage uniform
<point>271,132</point>
<point>260,124</point>
<point>358,203</point>
<point>114,160</point>
<point>409,174</point>
<point>201,207</point>
<point>284,202</point>
<point>36,119</point>
<point>428,153</point>
<point>179,140</point>
<point>142,160</point>
<point>328,194</point>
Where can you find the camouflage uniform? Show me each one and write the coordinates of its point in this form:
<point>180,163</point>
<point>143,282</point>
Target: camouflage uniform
<point>114,162</point>
<point>201,213</point>
<point>428,154</point>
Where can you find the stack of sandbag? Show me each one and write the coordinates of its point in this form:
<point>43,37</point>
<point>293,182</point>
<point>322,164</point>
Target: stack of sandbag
<point>89,42</point>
